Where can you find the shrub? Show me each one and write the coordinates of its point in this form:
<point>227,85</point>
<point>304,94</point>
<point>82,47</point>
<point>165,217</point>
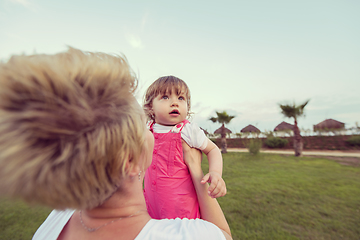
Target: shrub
<point>354,141</point>
<point>254,145</point>
<point>276,142</point>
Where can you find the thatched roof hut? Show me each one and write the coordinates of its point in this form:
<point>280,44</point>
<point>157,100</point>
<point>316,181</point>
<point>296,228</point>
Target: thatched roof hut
<point>329,124</point>
<point>284,126</point>
<point>251,129</point>
<point>218,131</point>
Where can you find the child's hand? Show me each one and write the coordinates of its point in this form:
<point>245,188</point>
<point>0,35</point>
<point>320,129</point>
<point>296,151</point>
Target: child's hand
<point>217,184</point>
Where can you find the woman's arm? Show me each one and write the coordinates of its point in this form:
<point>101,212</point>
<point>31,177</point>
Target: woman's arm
<point>209,207</point>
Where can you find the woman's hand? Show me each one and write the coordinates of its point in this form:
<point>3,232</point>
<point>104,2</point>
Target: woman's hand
<point>192,156</point>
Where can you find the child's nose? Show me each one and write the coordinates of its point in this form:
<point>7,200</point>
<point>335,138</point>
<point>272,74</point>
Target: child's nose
<point>174,102</point>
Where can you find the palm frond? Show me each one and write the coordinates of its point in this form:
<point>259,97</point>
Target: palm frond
<point>223,117</point>
<point>213,119</point>
<point>293,111</point>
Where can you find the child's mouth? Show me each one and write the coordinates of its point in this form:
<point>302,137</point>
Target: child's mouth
<point>174,112</point>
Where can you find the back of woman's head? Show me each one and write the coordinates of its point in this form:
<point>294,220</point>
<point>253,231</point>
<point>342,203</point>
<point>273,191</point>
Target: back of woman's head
<point>68,126</point>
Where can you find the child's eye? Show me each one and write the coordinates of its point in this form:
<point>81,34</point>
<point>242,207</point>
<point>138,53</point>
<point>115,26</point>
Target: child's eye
<point>181,98</point>
<point>165,97</point>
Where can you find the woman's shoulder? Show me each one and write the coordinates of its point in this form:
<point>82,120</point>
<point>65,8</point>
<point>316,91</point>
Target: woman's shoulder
<point>53,225</point>
<point>180,229</point>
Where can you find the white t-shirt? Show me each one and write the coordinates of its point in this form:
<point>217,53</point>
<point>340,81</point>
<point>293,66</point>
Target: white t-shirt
<point>174,229</point>
<point>191,133</point>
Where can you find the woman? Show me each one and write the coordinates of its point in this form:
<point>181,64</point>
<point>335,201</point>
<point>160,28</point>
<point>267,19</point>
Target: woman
<point>72,136</point>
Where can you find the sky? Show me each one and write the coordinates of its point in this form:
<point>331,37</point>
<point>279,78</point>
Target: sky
<point>243,57</point>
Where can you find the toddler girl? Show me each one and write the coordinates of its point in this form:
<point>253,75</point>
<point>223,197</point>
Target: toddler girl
<point>168,188</point>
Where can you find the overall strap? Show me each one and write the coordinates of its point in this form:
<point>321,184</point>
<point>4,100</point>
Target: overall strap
<point>150,125</point>
<point>178,127</point>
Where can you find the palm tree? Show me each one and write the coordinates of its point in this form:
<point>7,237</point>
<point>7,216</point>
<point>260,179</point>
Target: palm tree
<point>223,118</point>
<point>293,111</point>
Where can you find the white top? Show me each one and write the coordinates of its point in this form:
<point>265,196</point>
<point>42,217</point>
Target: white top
<point>175,229</point>
<point>191,133</point>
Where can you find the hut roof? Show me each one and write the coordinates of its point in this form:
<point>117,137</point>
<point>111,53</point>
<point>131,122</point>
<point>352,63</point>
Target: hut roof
<point>250,128</point>
<point>218,131</point>
<point>283,126</point>
<point>329,124</point>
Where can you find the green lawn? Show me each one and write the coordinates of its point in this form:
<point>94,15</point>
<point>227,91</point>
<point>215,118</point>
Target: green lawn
<point>269,197</point>
<point>18,221</point>
<point>279,197</point>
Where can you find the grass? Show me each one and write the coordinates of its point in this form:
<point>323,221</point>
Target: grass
<point>279,197</point>
<point>19,221</point>
<point>269,197</point>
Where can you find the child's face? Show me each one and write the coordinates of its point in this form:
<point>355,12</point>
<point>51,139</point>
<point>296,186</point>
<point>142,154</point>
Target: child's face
<point>170,109</point>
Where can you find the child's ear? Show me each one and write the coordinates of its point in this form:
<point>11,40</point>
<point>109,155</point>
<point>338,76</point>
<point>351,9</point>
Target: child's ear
<point>152,114</point>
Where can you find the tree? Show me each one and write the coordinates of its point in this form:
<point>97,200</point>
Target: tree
<point>293,111</point>
<point>222,118</point>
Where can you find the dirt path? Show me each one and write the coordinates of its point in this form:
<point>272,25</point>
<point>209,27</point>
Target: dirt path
<point>350,158</point>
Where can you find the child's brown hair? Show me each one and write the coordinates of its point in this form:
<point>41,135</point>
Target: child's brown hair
<point>165,85</point>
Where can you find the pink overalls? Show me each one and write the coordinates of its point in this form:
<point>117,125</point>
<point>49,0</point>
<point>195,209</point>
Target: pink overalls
<point>168,187</point>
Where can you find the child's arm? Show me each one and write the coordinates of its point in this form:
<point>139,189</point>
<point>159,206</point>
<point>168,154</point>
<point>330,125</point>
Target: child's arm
<point>214,177</point>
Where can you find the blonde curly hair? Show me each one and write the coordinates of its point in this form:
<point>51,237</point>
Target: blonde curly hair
<point>69,124</point>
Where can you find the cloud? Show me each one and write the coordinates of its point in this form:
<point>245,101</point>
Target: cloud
<point>27,4</point>
<point>132,38</point>
<point>24,3</point>
<point>134,41</point>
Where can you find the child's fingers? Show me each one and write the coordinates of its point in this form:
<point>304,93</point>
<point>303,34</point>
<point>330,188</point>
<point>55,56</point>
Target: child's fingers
<point>212,187</point>
<point>220,193</point>
<point>205,179</point>
<point>217,186</point>
<point>220,190</point>
<point>217,193</point>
